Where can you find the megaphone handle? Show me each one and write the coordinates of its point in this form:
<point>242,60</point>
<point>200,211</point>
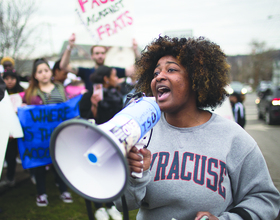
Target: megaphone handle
<point>142,143</point>
<point>134,174</point>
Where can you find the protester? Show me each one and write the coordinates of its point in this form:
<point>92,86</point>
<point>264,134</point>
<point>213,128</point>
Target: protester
<point>238,108</point>
<point>42,90</point>
<point>93,106</point>
<point>102,110</point>
<point>197,163</point>
<point>8,63</point>
<point>72,89</point>
<point>11,80</point>
<point>59,75</point>
<point>98,55</point>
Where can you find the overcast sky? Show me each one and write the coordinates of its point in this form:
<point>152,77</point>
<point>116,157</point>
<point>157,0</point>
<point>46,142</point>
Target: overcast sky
<point>232,24</point>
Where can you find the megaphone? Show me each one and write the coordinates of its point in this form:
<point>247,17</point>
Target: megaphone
<point>91,159</point>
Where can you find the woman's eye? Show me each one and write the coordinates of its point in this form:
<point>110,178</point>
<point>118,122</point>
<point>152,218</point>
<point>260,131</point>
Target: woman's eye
<point>156,74</point>
<point>171,70</point>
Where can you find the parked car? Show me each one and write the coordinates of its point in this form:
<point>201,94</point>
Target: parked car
<point>238,87</point>
<point>263,86</point>
<point>268,105</point>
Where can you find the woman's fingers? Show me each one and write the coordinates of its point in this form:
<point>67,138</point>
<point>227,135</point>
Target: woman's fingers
<point>135,160</point>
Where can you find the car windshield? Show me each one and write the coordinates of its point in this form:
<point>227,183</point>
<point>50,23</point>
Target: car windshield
<point>264,85</point>
<point>236,85</point>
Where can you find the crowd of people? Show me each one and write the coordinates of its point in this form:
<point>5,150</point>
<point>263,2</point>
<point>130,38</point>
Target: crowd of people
<point>47,85</point>
<point>205,172</point>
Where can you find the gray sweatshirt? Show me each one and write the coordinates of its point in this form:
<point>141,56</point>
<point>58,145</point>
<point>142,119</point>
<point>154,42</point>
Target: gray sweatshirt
<point>215,167</point>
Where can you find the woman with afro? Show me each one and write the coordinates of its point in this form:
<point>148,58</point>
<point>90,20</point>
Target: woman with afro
<point>198,164</point>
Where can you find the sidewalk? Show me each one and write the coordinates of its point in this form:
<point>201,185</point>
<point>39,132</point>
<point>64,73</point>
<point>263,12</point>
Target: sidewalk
<point>20,176</point>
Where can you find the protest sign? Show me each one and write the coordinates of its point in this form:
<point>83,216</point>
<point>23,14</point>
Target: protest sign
<point>38,123</point>
<point>10,125</point>
<point>16,100</point>
<point>104,22</point>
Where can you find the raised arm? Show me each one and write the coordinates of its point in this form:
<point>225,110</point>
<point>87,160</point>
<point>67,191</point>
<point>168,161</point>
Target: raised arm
<point>135,49</point>
<point>129,71</point>
<point>65,60</point>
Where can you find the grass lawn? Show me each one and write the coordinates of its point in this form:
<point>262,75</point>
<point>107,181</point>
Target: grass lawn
<point>18,203</point>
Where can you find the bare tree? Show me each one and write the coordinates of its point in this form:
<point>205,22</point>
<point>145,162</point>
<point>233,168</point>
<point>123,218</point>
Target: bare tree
<point>261,61</point>
<point>16,30</point>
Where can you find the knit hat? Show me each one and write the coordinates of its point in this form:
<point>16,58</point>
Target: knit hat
<point>11,73</point>
<point>10,59</point>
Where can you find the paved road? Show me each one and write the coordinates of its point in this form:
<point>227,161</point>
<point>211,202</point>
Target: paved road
<point>267,137</point>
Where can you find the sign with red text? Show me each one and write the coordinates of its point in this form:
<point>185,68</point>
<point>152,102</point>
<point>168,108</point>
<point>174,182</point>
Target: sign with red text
<point>105,22</point>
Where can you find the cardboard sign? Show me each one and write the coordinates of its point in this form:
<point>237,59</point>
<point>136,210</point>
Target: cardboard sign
<point>38,122</point>
<point>16,101</point>
<point>8,123</point>
<point>8,115</point>
<point>105,22</point>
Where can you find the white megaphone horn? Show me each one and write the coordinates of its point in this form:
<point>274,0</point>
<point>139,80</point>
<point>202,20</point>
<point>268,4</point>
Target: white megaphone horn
<point>91,159</point>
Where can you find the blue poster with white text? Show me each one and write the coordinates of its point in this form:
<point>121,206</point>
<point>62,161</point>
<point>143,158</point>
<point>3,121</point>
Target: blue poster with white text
<point>38,123</point>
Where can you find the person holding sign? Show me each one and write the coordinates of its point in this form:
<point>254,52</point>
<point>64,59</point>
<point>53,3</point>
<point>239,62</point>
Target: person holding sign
<point>41,91</point>
<point>102,104</point>
<point>198,164</point>
<point>13,87</point>
<point>98,55</point>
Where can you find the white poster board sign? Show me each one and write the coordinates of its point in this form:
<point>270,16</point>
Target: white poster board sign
<point>9,118</point>
<point>16,101</point>
<point>104,22</point>
<point>9,126</point>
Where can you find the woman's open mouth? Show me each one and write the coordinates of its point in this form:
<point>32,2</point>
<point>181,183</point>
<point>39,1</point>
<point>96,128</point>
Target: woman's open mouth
<point>163,92</point>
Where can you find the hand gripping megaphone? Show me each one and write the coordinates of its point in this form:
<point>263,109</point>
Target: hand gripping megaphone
<point>91,159</point>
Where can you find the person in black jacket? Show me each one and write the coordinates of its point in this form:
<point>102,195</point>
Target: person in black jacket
<point>91,105</point>
<point>238,109</point>
<point>101,105</point>
<point>11,79</point>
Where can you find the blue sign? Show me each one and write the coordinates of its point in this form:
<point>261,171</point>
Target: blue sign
<point>38,123</point>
